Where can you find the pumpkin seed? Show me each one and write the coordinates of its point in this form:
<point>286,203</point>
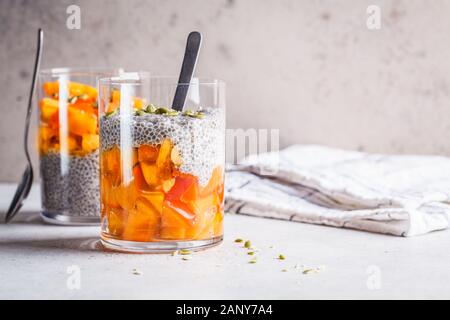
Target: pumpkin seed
<point>247,244</point>
<point>185,252</point>
<point>151,108</point>
<point>72,100</point>
<point>111,113</point>
<point>84,96</point>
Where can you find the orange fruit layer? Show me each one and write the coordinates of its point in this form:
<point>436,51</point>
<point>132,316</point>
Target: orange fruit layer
<point>115,102</point>
<point>158,202</point>
<point>79,128</point>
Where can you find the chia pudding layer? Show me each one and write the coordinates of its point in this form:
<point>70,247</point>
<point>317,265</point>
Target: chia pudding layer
<point>73,188</point>
<point>200,141</point>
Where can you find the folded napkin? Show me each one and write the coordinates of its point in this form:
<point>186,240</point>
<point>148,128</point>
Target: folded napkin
<point>403,195</point>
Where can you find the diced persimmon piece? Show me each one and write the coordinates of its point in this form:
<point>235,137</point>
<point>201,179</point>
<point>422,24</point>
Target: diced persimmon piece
<point>115,97</point>
<point>46,133</point>
<point>111,107</point>
<point>116,221</point>
<point>143,222</point>
<point>76,88</point>
<point>106,191</point>
<point>184,189</point>
<point>173,233</point>
<point>139,179</point>
<point>174,216</point>
<point>126,195</point>
<point>138,103</point>
<point>202,204</point>
<point>50,88</point>
<point>49,107</point>
<point>85,105</point>
<point>214,182</point>
<point>150,172</point>
<point>111,160</point>
<point>153,215</point>
<point>168,184</point>
<point>91,92</point>
<point>203,220</point>
<point>156,199</point>
<point>147,153</point>
<point>176,157</point>
<point>72,143</point>
<point>90,142</point>
<point>81,122</point>
<point>218,224</point>
<point>164,153</point>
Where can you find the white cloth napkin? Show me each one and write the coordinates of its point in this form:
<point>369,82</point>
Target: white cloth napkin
<point>403,195</point>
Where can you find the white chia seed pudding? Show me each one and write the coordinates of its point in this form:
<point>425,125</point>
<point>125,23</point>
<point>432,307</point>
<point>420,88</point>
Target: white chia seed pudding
<point>199,140</point>
<point>73,188</point>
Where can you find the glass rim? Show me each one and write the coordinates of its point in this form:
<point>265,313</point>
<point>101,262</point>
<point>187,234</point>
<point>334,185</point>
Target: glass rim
<point>171,80</point>
<point>79,71</point>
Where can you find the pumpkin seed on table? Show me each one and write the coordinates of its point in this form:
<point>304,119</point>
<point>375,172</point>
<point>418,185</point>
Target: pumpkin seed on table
<point>137,272</point>
<point>238,240</point>
<point>184,251</point>
<point>247,244</point>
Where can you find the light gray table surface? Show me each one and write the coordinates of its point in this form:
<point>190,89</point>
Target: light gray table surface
<point>37,259</point>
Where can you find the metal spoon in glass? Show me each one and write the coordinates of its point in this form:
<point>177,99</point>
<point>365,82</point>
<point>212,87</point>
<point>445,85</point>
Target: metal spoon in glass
<point>24,186</point>
<point>193,44</point>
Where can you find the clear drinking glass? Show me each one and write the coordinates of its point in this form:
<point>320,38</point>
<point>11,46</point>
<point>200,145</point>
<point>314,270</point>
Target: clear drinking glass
<point>68,144</point>
<point>161,171</point>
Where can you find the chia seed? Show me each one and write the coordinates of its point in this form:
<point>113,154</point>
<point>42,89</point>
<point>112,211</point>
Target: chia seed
<point>70,189</point>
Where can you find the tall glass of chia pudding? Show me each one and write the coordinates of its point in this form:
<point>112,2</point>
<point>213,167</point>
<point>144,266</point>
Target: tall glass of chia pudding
<point>68,145</point>
<point>161,170</point>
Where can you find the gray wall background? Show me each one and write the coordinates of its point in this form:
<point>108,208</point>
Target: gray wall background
<point>310,68</point>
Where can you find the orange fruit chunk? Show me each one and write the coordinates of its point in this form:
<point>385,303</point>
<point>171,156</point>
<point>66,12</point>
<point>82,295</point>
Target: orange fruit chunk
<point>126,195</point>
<point>184,189</point>
<point>143,222</point>
<point>214,182</point>
<point>50,88</point>
<point>49,107</point>
<point>150,172</point>
<point>81,122</point>
<point>106,193</point>
<point>139,179</point>
<point>111,165</point>
<point>147,153</point>
<point>91,92</point>
<point>90,142</point>
<point>155,198</point>
<point>116,221</point>
<point>76,88</point>
<point>164,153</point>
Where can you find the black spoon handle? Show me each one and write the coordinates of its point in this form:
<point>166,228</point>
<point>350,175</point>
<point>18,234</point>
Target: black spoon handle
<point>193,44</point>
<point>37,64</point>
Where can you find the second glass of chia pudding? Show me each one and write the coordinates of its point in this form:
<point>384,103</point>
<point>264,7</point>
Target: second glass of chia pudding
<point>68,144</point>
<point>161,170</point>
